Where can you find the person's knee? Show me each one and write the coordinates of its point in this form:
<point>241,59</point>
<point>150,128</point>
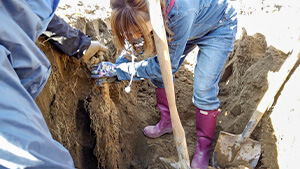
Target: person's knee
<point>205,96</point>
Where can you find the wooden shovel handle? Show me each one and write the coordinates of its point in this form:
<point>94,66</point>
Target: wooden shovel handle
<point>268,97</point>
<point>165,65</point>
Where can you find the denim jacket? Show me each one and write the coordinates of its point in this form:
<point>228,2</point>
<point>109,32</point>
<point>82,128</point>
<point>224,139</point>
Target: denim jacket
<point>189,20</point>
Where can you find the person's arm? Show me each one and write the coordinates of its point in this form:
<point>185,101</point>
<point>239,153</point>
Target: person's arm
<point>149,68</point>
<point>69,40</point>
<point>72,41</point>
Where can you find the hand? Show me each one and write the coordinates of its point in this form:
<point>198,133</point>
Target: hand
<point>104,69</point>
<point>104,72</point>
<point>92,50</point>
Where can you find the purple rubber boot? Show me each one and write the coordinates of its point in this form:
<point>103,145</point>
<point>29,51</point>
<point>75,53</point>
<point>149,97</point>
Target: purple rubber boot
<point>164,125</point>
<point>205,126</point>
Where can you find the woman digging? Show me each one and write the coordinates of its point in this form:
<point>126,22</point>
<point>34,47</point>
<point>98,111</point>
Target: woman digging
<point>209,24</point>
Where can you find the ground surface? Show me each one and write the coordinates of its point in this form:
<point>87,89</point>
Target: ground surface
<point>102,127</point>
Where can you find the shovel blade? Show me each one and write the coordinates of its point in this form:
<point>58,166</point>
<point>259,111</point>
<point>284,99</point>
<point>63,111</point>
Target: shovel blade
<point>227,153</point>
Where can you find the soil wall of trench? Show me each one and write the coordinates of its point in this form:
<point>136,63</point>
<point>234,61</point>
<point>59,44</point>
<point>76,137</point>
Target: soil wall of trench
<point>102,126</point>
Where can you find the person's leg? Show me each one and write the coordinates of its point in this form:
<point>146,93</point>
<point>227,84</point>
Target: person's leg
<point>164,126</point>
<point>205,127</point>
<point>214,50</point>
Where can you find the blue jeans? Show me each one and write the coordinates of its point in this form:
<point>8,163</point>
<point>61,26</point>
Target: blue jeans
<point>210,25</point>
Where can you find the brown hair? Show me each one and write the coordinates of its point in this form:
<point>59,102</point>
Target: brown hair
<point>128,20</point>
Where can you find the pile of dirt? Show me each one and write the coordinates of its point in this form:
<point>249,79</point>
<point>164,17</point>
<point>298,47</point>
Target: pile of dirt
<point>102,126</point>
<point>242,86</point>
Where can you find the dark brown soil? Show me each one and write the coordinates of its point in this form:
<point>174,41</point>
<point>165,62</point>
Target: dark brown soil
<point>102,126</point>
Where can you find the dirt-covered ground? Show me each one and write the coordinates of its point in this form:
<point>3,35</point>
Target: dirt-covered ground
<point>102,126</point>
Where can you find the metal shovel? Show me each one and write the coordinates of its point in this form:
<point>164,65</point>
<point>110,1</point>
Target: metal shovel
<point>239,149</point>
<point>165,65</point>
